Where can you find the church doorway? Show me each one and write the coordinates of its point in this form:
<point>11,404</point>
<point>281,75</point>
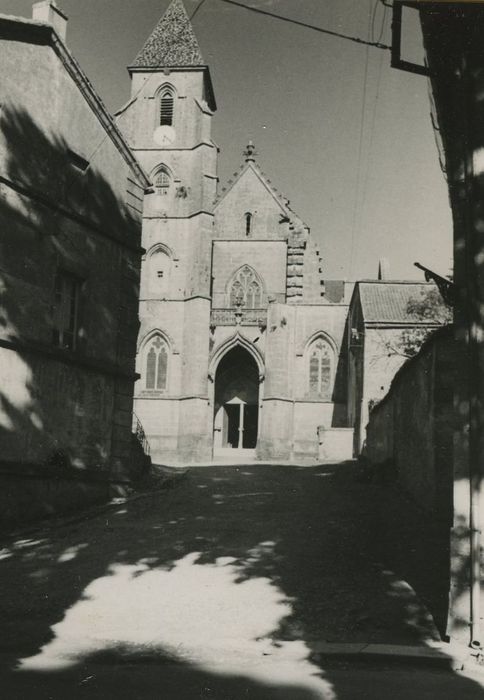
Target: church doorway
<point>236,414</point>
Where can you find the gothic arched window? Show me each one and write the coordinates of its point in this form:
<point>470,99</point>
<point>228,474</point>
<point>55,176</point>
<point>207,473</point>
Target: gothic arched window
<point>246,289</point>
<point>166,107</point>
<point>156,364</point>
<point>162,181</point>
<point>320,368</point>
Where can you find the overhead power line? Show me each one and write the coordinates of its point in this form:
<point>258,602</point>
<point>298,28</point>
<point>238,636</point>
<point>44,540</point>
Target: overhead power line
<point>321,30</point>
<point>357,207</point>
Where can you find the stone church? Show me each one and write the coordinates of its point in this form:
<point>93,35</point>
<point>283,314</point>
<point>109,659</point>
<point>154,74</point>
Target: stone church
<point>240,339</point>
<point>244,349</point>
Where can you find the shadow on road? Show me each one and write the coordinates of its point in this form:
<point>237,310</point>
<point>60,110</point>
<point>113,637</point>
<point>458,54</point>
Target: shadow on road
<point>217,589</point>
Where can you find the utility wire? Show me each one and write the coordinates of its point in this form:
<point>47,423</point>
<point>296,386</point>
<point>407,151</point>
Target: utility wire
<point>143,86</point>
<point>372,131</point>
<point>322,30</point>
<point>360,151</point>
<point>370,143</point>
<point>357,40</point>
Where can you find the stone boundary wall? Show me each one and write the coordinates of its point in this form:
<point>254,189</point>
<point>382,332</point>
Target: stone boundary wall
<point>409,457</point>
<point>410,432</point>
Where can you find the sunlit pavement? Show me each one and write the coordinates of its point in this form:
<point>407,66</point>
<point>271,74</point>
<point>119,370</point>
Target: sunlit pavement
<point>221,588</point>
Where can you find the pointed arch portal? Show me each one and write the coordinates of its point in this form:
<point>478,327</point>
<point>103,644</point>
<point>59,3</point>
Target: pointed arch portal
<point>236,405</point>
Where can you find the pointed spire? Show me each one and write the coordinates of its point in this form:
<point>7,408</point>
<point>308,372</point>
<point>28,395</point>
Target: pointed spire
<point>384,269</point>
<point>250,152</point>
<point>172,43</point>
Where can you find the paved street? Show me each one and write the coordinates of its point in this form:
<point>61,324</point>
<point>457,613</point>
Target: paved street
<point>221,588</point>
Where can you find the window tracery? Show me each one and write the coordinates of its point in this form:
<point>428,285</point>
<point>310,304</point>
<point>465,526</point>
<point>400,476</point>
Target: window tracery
<point>246,289</point>
<point>321,359</point>
<point>162,181</point>
<point>156,364</point>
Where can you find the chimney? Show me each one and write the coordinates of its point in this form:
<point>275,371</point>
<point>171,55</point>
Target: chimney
<point>47,11</point>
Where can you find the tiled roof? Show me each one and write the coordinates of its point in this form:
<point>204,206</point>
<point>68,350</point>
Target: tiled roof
<point>387,302</point>
<point>172,42</point>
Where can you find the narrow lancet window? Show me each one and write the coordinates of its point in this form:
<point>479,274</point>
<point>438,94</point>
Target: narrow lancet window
<point>248,223</point>
<point>320,368</point>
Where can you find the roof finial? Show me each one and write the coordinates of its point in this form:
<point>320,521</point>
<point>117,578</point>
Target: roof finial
<point>249,152</point>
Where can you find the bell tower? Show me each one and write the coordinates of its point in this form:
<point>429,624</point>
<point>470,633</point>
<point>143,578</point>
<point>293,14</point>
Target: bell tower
<point>168,125</point>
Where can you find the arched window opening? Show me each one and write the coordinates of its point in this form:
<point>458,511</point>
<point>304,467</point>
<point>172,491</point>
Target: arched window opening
<point>320,368</point>
<point>166,108</point>
<point>156,364</point>
<point>246,289</point>
<point>162,181</point>
<point>248,223</point>
<point>159,269</point>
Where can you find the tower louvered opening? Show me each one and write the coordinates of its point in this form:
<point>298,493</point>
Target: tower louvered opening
<point>166,109</point>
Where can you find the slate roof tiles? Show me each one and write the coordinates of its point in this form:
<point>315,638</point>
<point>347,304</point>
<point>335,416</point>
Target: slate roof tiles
<point>172,43</point>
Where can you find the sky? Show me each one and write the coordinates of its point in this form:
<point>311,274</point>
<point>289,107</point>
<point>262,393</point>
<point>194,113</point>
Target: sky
<point>344,136</point>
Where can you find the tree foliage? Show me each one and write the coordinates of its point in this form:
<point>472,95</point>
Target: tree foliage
<point>426,311</point>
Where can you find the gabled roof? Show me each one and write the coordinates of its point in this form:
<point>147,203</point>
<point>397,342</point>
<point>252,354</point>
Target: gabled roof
<point>172,43</point>
<point>250,164</point>
<point>388,302</point>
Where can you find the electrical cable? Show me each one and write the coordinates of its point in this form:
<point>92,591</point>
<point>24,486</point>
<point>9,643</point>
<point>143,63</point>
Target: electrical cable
<point>360,154</point>
<point>315,28</point>
<point>372,123</point>
<point>370,141</point>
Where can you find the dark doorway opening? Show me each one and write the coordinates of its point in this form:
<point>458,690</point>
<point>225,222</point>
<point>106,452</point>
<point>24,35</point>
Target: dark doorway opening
<point>236,415</point>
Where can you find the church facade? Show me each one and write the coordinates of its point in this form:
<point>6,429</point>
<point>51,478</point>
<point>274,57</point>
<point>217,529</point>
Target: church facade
<point>241,344</point>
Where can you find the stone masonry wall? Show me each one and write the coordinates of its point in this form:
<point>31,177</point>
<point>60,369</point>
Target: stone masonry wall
<point>250,195</point>
<point>409,429</point>
<point>267,258</point>
<point>69,202</point>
